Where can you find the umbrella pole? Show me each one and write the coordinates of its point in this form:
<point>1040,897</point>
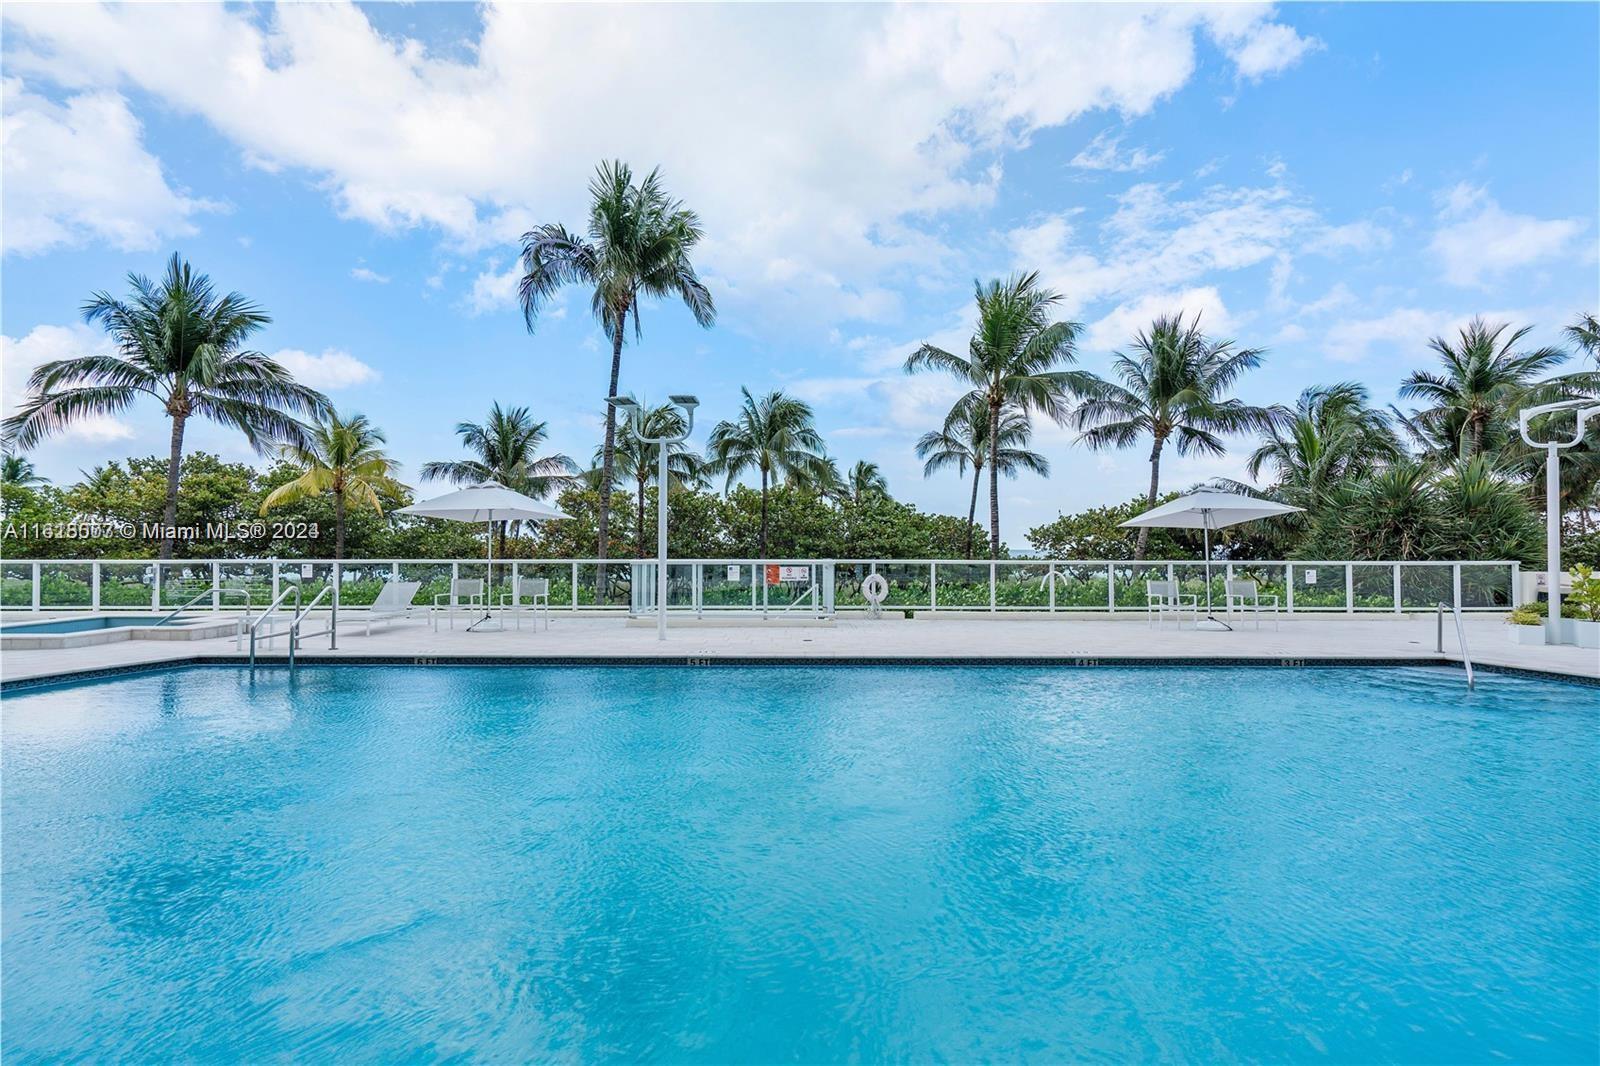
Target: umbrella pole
<point>1215,622</point>
<point>488,584</point>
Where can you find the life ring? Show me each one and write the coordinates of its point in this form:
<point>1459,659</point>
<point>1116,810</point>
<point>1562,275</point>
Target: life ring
<point>875,589</point>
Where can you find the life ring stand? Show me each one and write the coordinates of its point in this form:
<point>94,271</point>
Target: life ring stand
<point>875,589</point>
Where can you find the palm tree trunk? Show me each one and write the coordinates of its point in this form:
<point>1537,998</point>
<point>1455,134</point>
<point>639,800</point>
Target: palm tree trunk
<point>338,524</point>
<point>501,536</point>
<point>1150,500</point>
<point>972,508</point>
<point>638,527</point>
<point>608,453</point>
<point>994,480</point>
<point>763,552</point>
<point>169,516</point>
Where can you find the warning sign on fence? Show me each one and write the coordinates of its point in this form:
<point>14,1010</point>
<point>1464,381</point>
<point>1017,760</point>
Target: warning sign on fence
<point>777,575</point>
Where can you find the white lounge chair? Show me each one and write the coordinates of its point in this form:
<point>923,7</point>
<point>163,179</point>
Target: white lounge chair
<point>530,594</point>
<point>393,602</point>
<point>1163,598</point>
<point>1245,595</point>
<point>465,594</point>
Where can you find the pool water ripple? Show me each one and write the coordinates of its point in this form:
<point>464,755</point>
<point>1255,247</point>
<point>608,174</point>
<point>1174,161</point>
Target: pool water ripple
<point>790,863</point>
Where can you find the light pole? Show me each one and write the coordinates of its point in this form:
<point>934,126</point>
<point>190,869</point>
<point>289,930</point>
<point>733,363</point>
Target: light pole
<point>1552,499</point>
<point>631,408</point>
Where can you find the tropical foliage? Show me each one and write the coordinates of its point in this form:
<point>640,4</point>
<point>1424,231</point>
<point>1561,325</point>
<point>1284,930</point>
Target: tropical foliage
<point>963,441</point>
<point>1010,365</point>
<point>638,461</point>
<point>637,244</point>
<point>344,459</point>
<point>774,438</point>
<point>505,449</point>
<point>1174,386</point>
<point>180,343</point>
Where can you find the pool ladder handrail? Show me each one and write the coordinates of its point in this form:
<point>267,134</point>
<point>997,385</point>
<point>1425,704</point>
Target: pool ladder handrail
<point>1461,638</point>
<point>244,623</point>
<point>266,615</point>
<point>300,616</point>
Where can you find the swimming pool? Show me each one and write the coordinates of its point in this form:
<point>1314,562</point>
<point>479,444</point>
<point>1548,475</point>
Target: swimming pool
<point>818,864</point>
<point>93,624</point>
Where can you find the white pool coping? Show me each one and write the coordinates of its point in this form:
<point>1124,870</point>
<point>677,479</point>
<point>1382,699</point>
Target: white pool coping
<point>1100,641</point>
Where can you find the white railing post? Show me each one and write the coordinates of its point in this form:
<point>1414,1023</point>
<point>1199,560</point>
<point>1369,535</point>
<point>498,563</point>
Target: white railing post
<point>933,586</point>
<point>574,584</point>
<point>1288,588</point>
<point>992,588</point>
<point>273,565</point>
<point>216,583</point>
<point>1455,584</point>
<point>1349,589</point>
<point>155,586</point>
<point>1516,583</point>
<point>35,597</point>
<point>94,586</point>
<point>1111,587</point>
<point>1397,588</point>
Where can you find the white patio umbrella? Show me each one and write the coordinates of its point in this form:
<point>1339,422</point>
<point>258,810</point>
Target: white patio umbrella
<point>1208,511</point>
<point>489,502</point>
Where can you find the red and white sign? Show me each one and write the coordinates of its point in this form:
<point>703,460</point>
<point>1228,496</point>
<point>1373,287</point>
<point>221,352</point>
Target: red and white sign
<point>777,575</point>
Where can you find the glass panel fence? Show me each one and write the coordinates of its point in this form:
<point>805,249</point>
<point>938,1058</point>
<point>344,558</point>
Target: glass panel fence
<point>962,586</point>
<point>360,582</point>
<point>847,580</point>
<point>65,585</point>
<point>727,585</point>
<point>126,585</point>
<point>1022,586</point>
<point>1191,578</point>
<point>1081,587</point>
<point>558,574</point>
<point>181,582</point>
<point>1131,578</point>
<point>1424,585</point>
<point>254,578</point>
<point>607,586</point>
<point>1485,586</point>
<point>434,578</point>
<point>16,585</point>
<point>1372,585</point>
<point>909,585</point>
<point>1319,587</point>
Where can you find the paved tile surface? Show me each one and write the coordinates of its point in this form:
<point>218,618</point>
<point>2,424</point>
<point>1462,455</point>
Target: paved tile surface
<point>939,638</point>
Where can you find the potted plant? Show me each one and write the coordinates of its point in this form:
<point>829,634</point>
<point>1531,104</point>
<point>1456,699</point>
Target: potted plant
<point>1525,625</point>
<point>1580,615</point>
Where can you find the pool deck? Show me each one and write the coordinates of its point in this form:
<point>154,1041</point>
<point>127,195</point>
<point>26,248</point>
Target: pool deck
<point>1098,641</point>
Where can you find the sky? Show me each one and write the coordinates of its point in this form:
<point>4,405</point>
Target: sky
<point>1333,183</point>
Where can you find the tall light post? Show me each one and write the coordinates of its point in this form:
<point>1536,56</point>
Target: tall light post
<point>1552,499</point>
<point>630,408</point>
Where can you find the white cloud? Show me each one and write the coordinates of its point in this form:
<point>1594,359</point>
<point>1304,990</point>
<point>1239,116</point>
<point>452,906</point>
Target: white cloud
<point>1116,329</point>
<point>839,130</point>
<point>362,273</point>
<point>1363,236</point>
<point>494,290</point>
<point>45,344</point>
<point>333,369</point>
<point>1105,153</point>
<point>1350,341</point>
<point>1478,240</point>
<point>77,173</point>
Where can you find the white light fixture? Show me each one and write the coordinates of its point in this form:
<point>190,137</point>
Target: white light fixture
<point>1552,499</point>
<point>630,407</point>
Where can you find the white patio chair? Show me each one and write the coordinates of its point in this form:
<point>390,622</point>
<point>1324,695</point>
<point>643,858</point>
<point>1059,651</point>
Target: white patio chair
<point>1245,595</point>
<point>393,602</point>
<point>465,594</point>
<point>530,594</point>
<point>1163,598</point>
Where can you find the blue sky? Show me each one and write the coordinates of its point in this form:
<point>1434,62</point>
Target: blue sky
<point>1336,183</point>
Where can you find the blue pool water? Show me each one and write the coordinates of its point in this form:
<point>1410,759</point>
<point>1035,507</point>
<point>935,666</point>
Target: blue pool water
<point>87,625</point>
<point>770,864</point>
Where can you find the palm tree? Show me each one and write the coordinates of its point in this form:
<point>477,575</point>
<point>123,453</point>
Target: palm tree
<point>1331,435</point>
<point>1585,333</point>
<point>1483,379</point>
<point>1173,387</point>
<point>774,436</point>
<point>506,449</point>
<point>182,344</point>
<point>15,470</point>
<point>1010,363</point>
<point>638,244</point>
<point>866,479</point>
<point>344,457</point>
<point>964,441</point>
<point>638,460</point>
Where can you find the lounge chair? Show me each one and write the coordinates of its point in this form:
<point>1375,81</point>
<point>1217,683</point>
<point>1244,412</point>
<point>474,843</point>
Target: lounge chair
<point>1246,596</point>
<point>1163,598</point>
<point>530,594</point>
<point>393,602</point>
<point>465,594</point>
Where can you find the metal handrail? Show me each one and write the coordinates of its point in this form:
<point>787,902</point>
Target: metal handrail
<point>293,590</point>
<point>300,616</point>
<point>244,623</point>
<point>1461,637</point>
